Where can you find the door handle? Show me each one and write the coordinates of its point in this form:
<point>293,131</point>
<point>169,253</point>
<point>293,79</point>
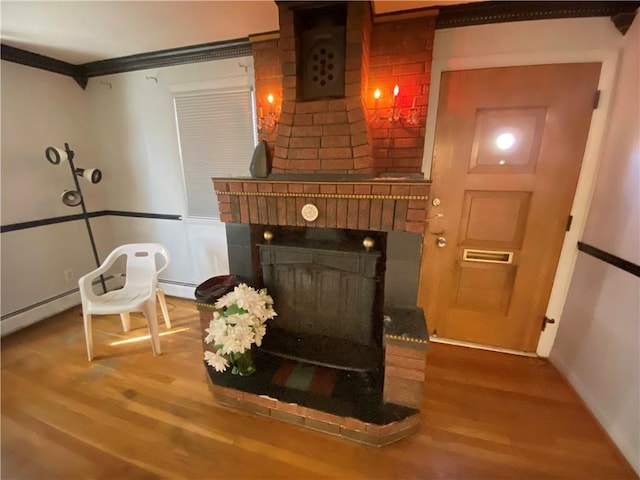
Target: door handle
<point>441,242</point>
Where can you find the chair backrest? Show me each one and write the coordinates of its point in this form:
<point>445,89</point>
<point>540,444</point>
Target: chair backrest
<point>141,261</point>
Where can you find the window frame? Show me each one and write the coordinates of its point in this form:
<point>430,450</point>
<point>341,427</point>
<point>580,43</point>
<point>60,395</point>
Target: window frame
<point>238,84</point>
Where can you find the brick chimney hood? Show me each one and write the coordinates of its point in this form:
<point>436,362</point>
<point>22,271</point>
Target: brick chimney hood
<point>325,54</point>
<point>334,141</point>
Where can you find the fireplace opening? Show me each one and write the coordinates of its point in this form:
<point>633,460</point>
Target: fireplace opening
<point>329,291</point>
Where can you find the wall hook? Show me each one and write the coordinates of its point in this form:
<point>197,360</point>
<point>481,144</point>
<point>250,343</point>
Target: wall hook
<point>149,77</point>
<point>107,84</point>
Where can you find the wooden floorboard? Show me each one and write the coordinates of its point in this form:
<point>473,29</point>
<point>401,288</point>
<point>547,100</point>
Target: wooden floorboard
<point>128,415</point>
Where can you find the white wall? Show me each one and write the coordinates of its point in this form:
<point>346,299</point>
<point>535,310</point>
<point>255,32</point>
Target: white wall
<point>123,124</point>
<point>598,343</point>
<point>136,139</point>
<point>41,109</point>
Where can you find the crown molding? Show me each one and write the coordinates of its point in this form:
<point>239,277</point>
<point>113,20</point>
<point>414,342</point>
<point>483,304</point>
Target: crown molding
<point>264,37</point>
<point>481,13</point>
<point>170,57</point>
<point>405,15</point>
<point>30,59</point>
<point>623,21</point>
<point>621,13</point>
<point>161,58</point>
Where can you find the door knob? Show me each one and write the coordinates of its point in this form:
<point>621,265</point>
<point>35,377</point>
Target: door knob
<point>441,242</point>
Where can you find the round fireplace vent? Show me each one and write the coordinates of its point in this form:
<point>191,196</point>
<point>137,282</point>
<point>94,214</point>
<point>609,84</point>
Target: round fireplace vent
<point>322,65</point>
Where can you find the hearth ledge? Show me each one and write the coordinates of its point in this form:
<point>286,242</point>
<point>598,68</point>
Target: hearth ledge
<point>345,427</point>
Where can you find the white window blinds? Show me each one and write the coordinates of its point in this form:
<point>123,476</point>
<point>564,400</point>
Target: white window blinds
<point>217,139</point>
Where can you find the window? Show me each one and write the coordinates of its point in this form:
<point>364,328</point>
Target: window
<point>217,137</point>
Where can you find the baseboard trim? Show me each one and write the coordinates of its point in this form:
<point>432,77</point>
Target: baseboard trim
<point>44,309</point>
<point>182,290</point>
<point>623,449</point>
<point>479,346</point>
<point>38,312</point>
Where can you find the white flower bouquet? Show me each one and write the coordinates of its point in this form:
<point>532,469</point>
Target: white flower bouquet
<point>238,322</point>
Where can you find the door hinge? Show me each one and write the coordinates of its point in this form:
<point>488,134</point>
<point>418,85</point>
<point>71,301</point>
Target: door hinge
<point>569,222</point>
<point>546,320</point>
<point>596,99</point>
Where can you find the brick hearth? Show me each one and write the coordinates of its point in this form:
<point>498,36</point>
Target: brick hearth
<point>405,342</point>
<point>347,427</point>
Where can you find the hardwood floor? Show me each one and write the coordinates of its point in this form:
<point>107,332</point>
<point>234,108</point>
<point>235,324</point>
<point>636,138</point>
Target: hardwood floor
<point>485,415</point>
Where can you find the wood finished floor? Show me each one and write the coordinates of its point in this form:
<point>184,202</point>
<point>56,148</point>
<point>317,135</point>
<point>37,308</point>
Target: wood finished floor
<point>128,415</point>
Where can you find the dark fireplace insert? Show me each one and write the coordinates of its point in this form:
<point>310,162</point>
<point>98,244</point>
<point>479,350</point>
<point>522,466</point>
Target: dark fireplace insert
<point>328,288</point>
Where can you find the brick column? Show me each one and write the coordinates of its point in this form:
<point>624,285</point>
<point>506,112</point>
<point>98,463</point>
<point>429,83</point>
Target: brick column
<point>405,352</point>
<point>400,54</point>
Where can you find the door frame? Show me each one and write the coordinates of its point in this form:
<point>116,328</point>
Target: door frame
<point>590,163</point>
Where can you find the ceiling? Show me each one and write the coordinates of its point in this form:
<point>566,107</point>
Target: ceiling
<point>85,31</point>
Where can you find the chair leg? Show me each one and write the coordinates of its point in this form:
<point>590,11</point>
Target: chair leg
<point>149,311</point>
<point>126,321</point>
<point>87,334</point>
<point>163,306</point>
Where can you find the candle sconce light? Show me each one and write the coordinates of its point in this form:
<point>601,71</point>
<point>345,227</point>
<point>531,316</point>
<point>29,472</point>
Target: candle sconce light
<point>410,117</point>
<point>268,122</point>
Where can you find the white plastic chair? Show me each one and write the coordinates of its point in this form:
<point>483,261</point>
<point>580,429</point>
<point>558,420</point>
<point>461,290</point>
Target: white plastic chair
<point>138,294</point>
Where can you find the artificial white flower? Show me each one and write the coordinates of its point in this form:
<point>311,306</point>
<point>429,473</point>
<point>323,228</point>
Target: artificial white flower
<point>238,340</point>
<point>238,322</point>
<point>227,300</point>
<point>247,298</point>
<point>260,331</point>
<point>216,360</point>
<point>269,313</point>
<point>267,298</point>
<point>217,329</point>
<point>238,319</point>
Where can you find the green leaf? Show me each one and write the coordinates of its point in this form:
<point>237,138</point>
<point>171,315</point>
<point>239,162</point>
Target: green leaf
<point>235,310</point>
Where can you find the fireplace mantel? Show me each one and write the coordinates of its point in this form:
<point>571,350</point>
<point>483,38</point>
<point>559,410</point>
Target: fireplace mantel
<point>376,204</point>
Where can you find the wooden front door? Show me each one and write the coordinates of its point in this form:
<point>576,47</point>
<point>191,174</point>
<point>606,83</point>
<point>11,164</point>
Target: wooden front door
<point>508,148</point>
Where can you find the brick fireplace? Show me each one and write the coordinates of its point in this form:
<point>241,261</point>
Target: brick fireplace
<point>347,156</point>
